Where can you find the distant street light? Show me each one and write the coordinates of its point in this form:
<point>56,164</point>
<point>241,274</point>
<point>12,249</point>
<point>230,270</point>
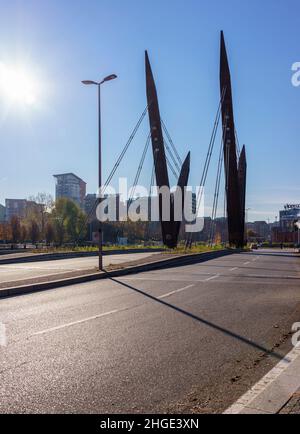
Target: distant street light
<point>91,82</point>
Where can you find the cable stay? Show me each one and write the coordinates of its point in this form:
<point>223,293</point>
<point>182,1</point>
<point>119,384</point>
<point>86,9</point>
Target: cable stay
<point>140,166</point>
<point>112,173</point>
<point>172,156</point>
<point>171,141</point>
<point>238,143</point>
<point>121,156</point>
<point>216,195</point>
<point>189,239</point>
<point>173,170</point>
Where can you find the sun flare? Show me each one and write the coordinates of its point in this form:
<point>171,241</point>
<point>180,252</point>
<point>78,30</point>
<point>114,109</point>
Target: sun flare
<point>17,85</point>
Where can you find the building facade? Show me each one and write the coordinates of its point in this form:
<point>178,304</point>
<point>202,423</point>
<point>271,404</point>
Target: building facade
<point>70,186</point>
<point>286,232</point>
<point>288,216</point>
<point>15,208</point>
<point>2,213</point>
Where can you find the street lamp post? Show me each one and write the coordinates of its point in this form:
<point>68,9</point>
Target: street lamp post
<point>90,82</point>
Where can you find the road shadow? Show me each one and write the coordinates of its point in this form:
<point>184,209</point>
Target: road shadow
<point>210,324</point>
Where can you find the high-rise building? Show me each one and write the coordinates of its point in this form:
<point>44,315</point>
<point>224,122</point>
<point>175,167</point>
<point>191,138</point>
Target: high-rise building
<point>70,186</point>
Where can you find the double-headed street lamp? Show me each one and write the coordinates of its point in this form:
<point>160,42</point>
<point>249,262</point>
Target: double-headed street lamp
<point>90,82</point>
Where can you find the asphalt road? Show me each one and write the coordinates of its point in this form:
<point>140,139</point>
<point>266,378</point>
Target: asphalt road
<point>186,339</point>
<point>21,271</point>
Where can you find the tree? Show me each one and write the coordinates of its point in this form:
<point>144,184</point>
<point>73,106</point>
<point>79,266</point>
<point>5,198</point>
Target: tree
<point>15,229</point>
<point>39,208</point>
<point>5,232</point>
<point>34,232</point>
<point>68,220</point>
<point>49,233</point>
<point>23,232</point>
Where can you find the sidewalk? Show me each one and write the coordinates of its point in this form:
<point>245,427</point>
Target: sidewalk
<point>69,273</point>
<point>151,262</point>
<point>293,405</point>
<point>278,392</point>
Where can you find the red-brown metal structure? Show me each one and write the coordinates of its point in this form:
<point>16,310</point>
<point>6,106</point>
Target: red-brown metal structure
<point>170,229</point>
<point>235,172</point>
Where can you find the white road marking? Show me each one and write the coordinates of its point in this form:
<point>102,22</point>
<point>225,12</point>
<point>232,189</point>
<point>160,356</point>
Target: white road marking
<point>274,390</point>
<point>175,292</point>
<point>212,277</point>
<point>235,268</point>
<point>101,315</point>
<point>91,318</point>
<point>166,278</point>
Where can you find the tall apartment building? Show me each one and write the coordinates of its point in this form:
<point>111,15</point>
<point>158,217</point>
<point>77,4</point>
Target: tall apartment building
<point>70,186</point>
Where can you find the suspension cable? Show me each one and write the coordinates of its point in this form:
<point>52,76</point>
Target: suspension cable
<point>207,162</point>
<point>237,142</point>
<point>171,155</point>
<point>216,195</point>
<point>171,141</point>
<point>113,171</point>
<point>121,156</point>
<point>171,167</point>
<point>142,160</point>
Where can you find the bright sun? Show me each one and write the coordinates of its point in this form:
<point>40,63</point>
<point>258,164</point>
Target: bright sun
<point>17,85</point>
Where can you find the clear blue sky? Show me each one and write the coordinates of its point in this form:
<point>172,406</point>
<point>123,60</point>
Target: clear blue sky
<point>62,42</point>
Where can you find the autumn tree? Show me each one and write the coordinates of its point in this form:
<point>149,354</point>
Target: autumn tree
<point>5,232</point>
<point>15,229</point>
<point>49,233</point>
<point>34,232</point>
<point>38,209</point>
<point>68,220</point>
<point>23,236</point>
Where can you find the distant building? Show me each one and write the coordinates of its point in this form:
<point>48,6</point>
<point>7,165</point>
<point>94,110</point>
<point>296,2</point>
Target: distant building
<point>89,204</point>
<point>19,208</point>
<point>15,208</point>
<point>71,187</point>
<point>286,232</point>
<point>2,213</point>
<point>288,217</point>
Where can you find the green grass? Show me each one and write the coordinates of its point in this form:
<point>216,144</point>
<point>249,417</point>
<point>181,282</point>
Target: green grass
<point>196,248</point>
<point>92,248</point>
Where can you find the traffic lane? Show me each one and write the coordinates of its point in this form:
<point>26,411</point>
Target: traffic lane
<point>29,313</point>
<point>78,301</point>
<point>152,354</point>
<point>11,272</point>
<point>152,321</point>
<point>246,265</point>
<point>138,360</point>
<point>24,315</point>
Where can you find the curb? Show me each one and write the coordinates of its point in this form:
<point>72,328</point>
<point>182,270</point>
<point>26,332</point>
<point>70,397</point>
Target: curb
<point>167,263</point>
